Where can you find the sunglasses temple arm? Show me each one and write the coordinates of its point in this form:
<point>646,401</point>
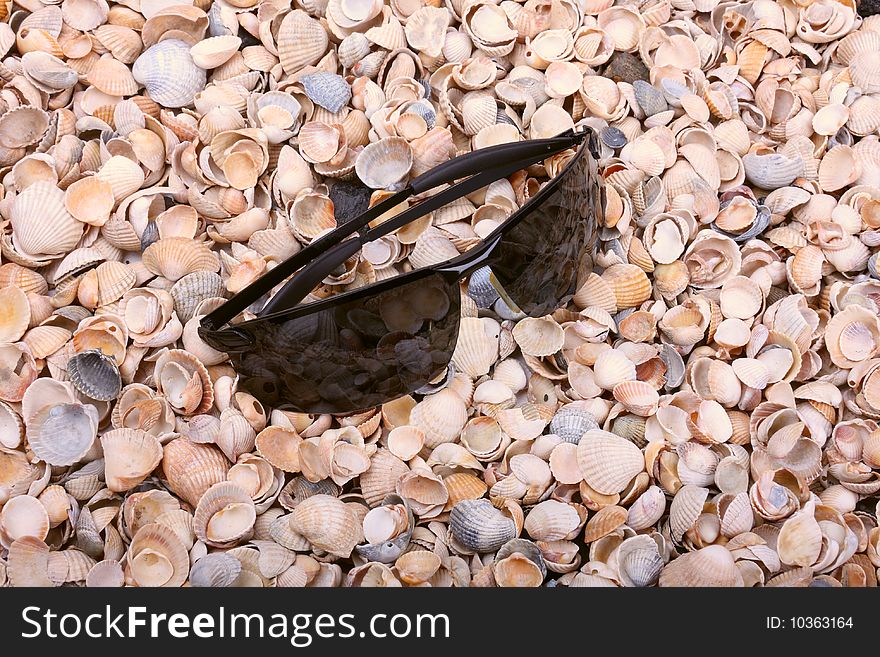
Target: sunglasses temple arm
<point>299,287</point>
<point>491,158</point>
<point>326,246</point>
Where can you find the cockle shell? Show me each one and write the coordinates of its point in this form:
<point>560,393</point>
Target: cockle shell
<point>157,557</point>
<point>95,375</point>
<point>192,468</point>
<point>608,462</point>
<point>328,524</point>
<point>384,163</point>
<point>63,434</point>
<point>224,515</point>
<point>710,566</point>
<point>41,225</point>
<point>480,527</point>
<point>175,257</point>
<point>302,41</point>
<point>168,72</point>
<point>129,457</point>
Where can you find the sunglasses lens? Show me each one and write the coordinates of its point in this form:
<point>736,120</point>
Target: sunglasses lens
<point>537,260</point>
<point>357,354</point>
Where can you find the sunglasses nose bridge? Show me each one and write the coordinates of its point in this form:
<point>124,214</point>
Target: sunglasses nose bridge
<point>229,340</point>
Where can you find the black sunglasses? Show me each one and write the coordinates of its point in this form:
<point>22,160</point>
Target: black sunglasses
<point>362,348</point>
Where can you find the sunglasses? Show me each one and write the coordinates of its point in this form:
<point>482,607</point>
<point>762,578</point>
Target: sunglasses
<point>362,348</point>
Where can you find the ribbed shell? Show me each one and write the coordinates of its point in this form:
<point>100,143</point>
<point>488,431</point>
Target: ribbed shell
<point>479,526</point>
<point>221,499</point>
<point>192,468</point>
<point>328,524</point>
<point>169,73</point>
<point>129,456</point>
<point>608,461</point>
<point>95,375</point>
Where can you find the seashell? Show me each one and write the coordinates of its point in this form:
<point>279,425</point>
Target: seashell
<point>840,167</point>
<point>301,40</point>
<point>191,289</point>
<point>224,515</point>
<point>106,574</point>
<point>130,455</point>
<point>327,90</point>
<point>709,566</point>
<point>608,462</point>
<point>16,314</point>
<point>538,337</point>
<point>168,72</point>
<point>175,257</point>
<point>771,171</point>
<point>41,225</point>
<point>95,375</point>
<point>157,557</point>
<point>328,524</point>
<point>571,424</point>
<point>62,434</point>
<point>214,51</point>
<point>440,416</point>
<point>191,468</point>
<point>628,283</point>
<point>480,527</point>
<point>90,200</point>
<point>218,569</point>
<point>22,126</point>
<point>384,163</point>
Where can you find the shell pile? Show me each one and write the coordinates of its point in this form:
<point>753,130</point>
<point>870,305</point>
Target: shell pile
<point>706,410</point>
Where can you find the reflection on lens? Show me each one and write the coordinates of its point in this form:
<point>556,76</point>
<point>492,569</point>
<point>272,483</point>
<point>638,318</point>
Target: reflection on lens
<point>537,260</point>
<point>357,354</point>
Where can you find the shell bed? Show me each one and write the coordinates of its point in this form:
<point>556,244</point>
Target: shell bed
<point>704,412</point>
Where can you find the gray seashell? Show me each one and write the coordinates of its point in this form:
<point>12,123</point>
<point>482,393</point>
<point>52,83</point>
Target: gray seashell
<point>771,171</point>
<point>674,366</point>
<point>638,561</point>
<point>328,90</point>
<point>95,375</point>
<point>613,137</point>
<point>503,117</point>
<point>868,238</point>
<point>631,427</point>
<point>150,235</point>
<point>481,289</point>
<point>216,26</point>
<point>88,538</point>
<point>424,109</point>
<point>217,569</point>
<point>526,548</point>
<point>300,488</point>
<point>504,311</point>
<point>479,526</point>
<point>842,136</point>
<point>759,225</point>
<point>194,288</point>
<point>353,49</point>
<point>572,423</point>
<point>535,88</point>
<point>673,90</point>
<point>649,98</point>
<point>169,73</point>
<point>872,265</point>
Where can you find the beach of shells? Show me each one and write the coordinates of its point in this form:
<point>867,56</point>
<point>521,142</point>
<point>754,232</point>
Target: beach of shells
<point>704,412</point>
